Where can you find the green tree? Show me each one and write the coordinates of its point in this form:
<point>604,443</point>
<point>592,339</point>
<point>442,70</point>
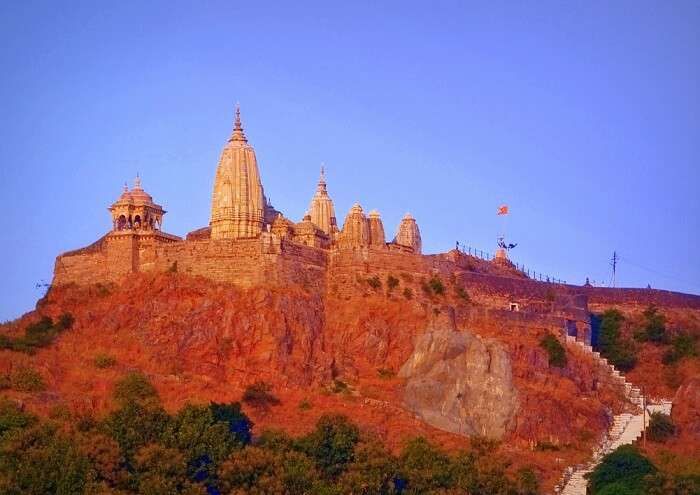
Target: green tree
<point>135,387</point>
<point>661,428</point>
<point>611,344</point>
<point>331,444</point>
<point>372,471</point>
<point>424,468</point>
<point>159,470</point>
<point>621,471</point>
<point>253,471</point>
<point>40,460</point>
<point>11,416</point>
<point>654,326</point>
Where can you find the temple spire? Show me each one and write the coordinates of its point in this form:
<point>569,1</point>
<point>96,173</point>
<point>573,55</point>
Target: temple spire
<point>238,134</point>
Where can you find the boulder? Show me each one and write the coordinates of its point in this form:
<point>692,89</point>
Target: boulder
<point>461,383</point>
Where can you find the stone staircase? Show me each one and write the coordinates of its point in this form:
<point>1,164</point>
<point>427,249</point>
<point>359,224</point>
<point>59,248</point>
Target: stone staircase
<point>625,429</point>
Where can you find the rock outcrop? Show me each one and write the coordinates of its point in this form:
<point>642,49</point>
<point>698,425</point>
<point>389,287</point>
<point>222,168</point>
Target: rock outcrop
<point>686,408</point>
<point>461,383</point>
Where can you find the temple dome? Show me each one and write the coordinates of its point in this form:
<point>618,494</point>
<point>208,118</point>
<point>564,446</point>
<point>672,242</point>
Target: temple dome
<point>138,195</point>
<point>238,201</point>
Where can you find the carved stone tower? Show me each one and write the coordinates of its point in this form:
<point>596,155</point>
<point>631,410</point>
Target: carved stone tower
<point>321,209</point>
<point>355,231</point>
<point>376,230</point>
<point>408,234</point>
<point>238,202</point>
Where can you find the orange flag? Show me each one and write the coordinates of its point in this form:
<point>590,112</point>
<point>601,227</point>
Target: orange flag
<point>503,210</point>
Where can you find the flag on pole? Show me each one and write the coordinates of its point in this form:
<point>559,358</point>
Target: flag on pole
<point>503,210</point>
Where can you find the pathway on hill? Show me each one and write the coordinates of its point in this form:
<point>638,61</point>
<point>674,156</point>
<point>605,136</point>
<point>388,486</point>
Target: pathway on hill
<point>625,429</point>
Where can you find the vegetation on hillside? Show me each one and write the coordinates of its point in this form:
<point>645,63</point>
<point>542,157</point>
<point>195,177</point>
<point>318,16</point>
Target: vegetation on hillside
<point>626,471</point>
<point>37,335</point>
<point>208,449</point>
<point>619,351</point>
<point>555,351</point>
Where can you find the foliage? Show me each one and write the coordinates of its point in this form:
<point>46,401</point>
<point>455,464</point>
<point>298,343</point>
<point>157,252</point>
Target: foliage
<point>11,416</point>
<point>617,350</point>
<point>305,405</point>
<point>424,468</point>
<point>159,470</point>
<point>682,345</point>
<point>38,334</point>
<point>386,373</point>
<point>103,360</point>
<point>436,285</point>
<point>408,293</point>
<point>339,386</point>
<point>622,471</point>
<point>25,379</point>
<point>134,388</point>
<point>374,282</point>
<point>331,444</point>
<point>392,282</point>
<point>555,351</point>
<point>259,395</point>
<point>463,294</point>
<point>660,427</point>
<point>654,327</point>
<point>135,425</point>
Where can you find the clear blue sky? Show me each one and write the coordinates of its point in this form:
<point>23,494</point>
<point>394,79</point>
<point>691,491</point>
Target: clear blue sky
<point>584,117</point>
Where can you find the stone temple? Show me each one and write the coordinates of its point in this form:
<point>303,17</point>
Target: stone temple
<point>247,240</point>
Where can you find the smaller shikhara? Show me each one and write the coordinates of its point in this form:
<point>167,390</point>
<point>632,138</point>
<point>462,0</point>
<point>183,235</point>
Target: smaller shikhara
<point>247,240</point>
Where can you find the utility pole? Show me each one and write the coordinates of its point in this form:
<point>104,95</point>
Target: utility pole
<point>613,262</point>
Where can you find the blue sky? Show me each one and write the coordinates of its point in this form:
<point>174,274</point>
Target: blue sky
<point>584,117</point>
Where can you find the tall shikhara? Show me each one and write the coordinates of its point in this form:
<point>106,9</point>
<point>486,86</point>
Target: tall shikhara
<point>238,201</point>
<point>321,209</point>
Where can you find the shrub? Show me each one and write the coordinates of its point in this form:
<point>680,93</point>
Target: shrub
<point>624,468</point>
<point>654,328</point>
<point>26,380</point>
<point>134,387</point>
<point>436,285</point>
<point>682,345</point>
<point>660,427</point>
<point>259,395</point>
<point>105,361</point>
<point>65,321</point>
<point>11,416</point>
<point>408,293</point>
<point>463,294</point>
<point>424,468</point>
<point>374,282</point>
<point>340,386</point>
<point>305,405</point>
<point>613,347</point>
<point>392,282</point>
<point>555,351</point>
<point>386,373</point>
<point>38,334</point>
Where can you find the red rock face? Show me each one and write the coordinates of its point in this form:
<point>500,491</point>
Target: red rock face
<point>200,341</point>
<point>686,409</point>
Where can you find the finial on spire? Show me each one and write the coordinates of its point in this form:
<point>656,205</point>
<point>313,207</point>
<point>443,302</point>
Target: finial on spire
<point>137,181</point>
<point>238,134</point>
<point>126,187</point>
<point>323,172</point>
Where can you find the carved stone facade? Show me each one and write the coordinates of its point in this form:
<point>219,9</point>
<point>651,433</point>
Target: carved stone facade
<point>408,234</point>
<point>355,231</point>
<point>376,230</point>
<point>135,210</point>
<point>238,202</point>
<point>321,210</point>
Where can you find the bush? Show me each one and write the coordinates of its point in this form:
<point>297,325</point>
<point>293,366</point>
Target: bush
<point>259,395</point>
<point>654,327</point>
<point>392,282</point>
<point>661,428</point>
<point>134,388</point>
<point>682,345</point>
<point>386,373</point>
<point>305,405</point>
<point>618,351</point>
<point>238,422</point>
<point>26,380</point>
<point>38,334</point>
<point>105,361</point>
<point>463,294</point>
<point>374,282</point>
<point>555,351</point>
<point>436,285</point>
<point>340,386</point>
<point>624,469</point>
<point>424,467</point>
<point>408,293</point>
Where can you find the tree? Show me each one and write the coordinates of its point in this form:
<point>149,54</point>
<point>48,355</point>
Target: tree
<point>611,344</point>
<point>621,471</point>
<point>660,427</point>
<point>331,444</point>
<point>555,351</point>
<point>134,425</point>
<point>11,416</point>
<point>238,422</point>
<point>252,471</point>
<point>372,472</point>
<point>135,387</point>
<point>654,326</point>
<point>424,468</point>
<point>159,470</point>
